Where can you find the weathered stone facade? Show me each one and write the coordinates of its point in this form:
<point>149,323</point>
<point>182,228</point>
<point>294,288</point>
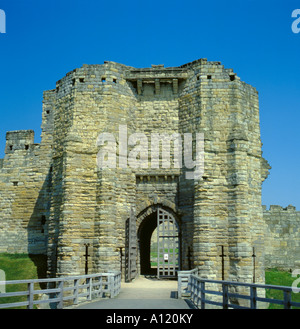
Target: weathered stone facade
<point>54,199</point>
<point>282,238</point>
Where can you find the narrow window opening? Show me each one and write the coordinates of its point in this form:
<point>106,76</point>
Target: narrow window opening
<point>103,79</point>
<point>15,183</point>
<point>209,77</point>
<point>73,82</point>
<point>10,147</point>
<point>232,77</point>
<point>47,111</point>
<point>114,80</point>
<point>81,80</point>
<point>26,147</point>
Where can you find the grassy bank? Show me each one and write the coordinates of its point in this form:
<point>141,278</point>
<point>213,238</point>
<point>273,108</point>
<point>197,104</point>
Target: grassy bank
<point>21,267</point>
<point>279,278</point>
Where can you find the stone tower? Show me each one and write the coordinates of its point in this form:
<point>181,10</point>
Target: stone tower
<point>72,203</point>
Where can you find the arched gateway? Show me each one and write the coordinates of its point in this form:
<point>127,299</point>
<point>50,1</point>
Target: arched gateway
<point>159,243</point>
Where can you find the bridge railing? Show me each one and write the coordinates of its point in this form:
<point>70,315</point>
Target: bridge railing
<point>229,294</point>
<point>183,282</point>
<point>64,290</point>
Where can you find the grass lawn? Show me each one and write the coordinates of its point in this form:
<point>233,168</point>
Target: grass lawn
<point>279,278</point>
<point>21,267</point>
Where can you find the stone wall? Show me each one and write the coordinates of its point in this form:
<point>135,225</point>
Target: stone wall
<point>282,237</point>
<point>25,185</point>
<point>81,204</point>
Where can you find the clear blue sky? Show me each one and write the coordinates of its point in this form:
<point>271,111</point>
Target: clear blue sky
<point>47,39</point>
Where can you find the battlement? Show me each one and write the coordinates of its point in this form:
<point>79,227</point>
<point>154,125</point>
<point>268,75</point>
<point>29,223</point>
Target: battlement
<point>282,236</point>
<point>19,140</point>
<point>96,77</point>
<point>277,208</point>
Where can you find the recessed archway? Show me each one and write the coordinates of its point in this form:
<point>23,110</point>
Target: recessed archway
<point>159,248</point>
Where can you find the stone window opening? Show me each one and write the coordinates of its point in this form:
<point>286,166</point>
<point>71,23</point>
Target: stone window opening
<point>10,147</point>
<point>47,112</point>
<point>15,183</point>
<point>232,77</point>
<point>114,80</point>
<point>103,79</point>
<point>209,77</point>
<point>26,147</point>
<point>81,80</point>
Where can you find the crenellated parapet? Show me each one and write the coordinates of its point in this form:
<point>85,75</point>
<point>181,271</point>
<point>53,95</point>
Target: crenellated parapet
<point>20,140</point>
<point>282,237</point>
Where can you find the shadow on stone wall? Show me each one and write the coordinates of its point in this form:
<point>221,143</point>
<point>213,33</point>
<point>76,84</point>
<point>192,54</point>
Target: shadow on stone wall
<point>37,229</point>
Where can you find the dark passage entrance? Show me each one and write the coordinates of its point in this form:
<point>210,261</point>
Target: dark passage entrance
<point>146,230</point>
<point>159,245</point>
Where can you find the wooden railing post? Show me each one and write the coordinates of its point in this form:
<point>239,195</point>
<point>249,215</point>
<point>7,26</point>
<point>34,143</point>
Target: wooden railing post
<point>202,289</point>
<point>111,283</point>
<point>198,291</point>
<point>118,284</point>
<point>89,288</point>
<point>191,287</point>
<point>76,284</point>
<point>179,292</point>
<point>225,295</point>
<point>30,295</point>
<point>61,294</point>
<point>287,299</point>
<point>189,284</point>
<point>100,286</point>
<point>253,295</point>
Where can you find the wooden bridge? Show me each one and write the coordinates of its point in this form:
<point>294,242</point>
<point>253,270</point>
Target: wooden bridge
<point>105,291</point>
